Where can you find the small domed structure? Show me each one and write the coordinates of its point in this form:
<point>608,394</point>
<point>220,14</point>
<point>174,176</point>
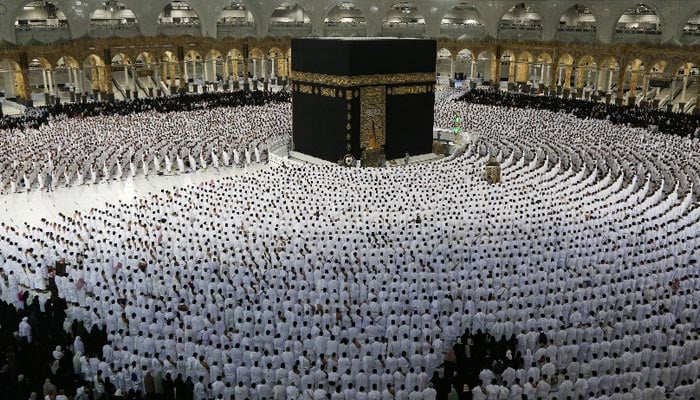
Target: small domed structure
<point>493,171</point>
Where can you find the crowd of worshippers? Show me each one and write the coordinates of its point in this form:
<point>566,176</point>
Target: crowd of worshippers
<point>43,356</point>
<point>37,117</point>
<point>304,281</point>
<point>104,148</point>
<point>682,124</point>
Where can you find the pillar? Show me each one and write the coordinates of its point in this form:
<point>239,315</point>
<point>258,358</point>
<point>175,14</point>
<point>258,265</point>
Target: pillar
<point>621,83</point>
<point>55,84</point>
<point>246,82</point>
<point>50,81</point>
<point>46,80</point>
<point>255,68</point>
<point>610,80</point>
<point>543,66</point>
<point>600,79</point>
<point>685,86</point>
<point>567,76</point>
<point>181,73</point>
<point>273,71</point>
<point>126,76</point>
<point>76,81</point>
<point>553,77</point>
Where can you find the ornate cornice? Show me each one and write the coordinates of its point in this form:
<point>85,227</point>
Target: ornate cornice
<point>362,80</point>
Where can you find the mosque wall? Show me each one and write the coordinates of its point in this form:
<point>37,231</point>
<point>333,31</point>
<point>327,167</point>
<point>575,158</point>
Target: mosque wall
<point>489,19</point>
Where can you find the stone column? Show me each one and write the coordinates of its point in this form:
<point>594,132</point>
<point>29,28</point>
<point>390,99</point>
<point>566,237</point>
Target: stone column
<point>50,81</point>
<point>126,76</point>
<point>181,73</point>
<point>685,86</point>
<point>255,68</point>
<point>273,71</point>
<point>610,79</point>
<point>107,81</point>
<point>263,68</point>
<point>55,83</point>
<point>77,82</point>
<point>46,80</point>
<point>621,84</point>
<point>246,82</point>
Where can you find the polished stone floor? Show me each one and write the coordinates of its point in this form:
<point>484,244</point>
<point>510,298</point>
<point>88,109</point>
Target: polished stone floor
<point>31,207</point>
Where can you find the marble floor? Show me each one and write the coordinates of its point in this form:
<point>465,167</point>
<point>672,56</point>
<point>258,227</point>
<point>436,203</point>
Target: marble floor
<point>20,208</point>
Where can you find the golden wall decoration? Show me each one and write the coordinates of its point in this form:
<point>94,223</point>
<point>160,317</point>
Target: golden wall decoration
<point>329,92</point>
<point>362,80</point>
<point>305,89</point>
<point>401,90</point>
<point>372,117</point>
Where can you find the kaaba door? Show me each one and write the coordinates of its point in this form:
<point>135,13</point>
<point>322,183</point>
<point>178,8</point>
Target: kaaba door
<point>372,124</point>
<point>372,117</point>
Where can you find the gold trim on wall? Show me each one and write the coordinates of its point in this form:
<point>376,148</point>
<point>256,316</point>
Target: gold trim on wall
<point>400,90</point>
<point>329,92</point>
<point>305,89</point>
<point>362,80</point>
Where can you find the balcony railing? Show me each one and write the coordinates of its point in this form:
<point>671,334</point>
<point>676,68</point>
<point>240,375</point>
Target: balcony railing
<point>235,29</point>
<point>455,31</point>
<point>100,30</point>
<point>289,28</point>
<point>402,29</point>
<point>183,28</point>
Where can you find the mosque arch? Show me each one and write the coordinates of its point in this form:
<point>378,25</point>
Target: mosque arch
<point>236,60</point>
<point>235,19</point>
<point>486,67</point>
<point>403,19</point>
<point>213,66</point>
<point>508,61</point>
<point>565,66</point>
<point>445,63</point>
<point>94,71</point>
<point>345,19</point>
<point>578,17</point>
<point>177,18</point>
<point>13,80</point>
<point>463,14</point>
<point>522,21</point>
<point>691,29</point>
<point>586,72</point>
<point>169,70</point>
<point>640,22</point>
<point>145,59</point>
<point>112,17</point>
<point>464,64</point>
<point>278,62</point>
<point>40,21</point>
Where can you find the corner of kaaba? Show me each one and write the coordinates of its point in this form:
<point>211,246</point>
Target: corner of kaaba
<point>372,99</point>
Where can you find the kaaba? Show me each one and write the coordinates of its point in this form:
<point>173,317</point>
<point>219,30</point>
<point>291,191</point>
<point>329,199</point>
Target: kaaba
<point>369,98</point>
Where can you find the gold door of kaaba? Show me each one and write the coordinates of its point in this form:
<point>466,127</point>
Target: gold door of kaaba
<point>372,124</point>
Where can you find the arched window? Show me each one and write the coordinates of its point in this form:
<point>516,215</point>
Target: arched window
<point>640,19</point>
<point>112,17</point>
<point>578,18</point>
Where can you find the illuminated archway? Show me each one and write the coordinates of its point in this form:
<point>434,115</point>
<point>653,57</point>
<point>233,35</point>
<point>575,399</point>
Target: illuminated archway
<point>113,18</point>
<point>178,18</point>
